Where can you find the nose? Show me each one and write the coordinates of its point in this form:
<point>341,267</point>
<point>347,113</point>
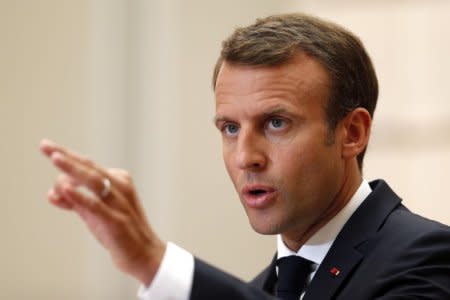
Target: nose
<point>251,154</point>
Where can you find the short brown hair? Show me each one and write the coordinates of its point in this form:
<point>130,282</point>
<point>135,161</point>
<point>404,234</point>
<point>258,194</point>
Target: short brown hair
<point>275,40</point>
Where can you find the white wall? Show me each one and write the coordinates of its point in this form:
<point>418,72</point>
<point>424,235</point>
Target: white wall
<point>128,83</point>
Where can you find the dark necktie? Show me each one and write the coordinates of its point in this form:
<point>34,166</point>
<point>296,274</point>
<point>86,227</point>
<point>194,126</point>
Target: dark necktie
<point>292,274</point>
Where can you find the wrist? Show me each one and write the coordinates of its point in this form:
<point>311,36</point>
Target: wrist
<point>146,270</point>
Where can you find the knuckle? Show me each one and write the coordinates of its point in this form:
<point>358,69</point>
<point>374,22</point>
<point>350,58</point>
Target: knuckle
<point>126,175</point>
<point>94,206</point>
<point>86,161</point>
<point>128,191</point>
<point>62,178</point>
<point>95,180</point>
<point>125,181</point>
<point>122,174</point>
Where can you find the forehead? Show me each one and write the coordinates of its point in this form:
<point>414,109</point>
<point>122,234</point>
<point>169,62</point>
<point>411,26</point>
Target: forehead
<point>301,79</point>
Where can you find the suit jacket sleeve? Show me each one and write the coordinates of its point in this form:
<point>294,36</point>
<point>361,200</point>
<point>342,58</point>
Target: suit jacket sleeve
<point>211,283</point>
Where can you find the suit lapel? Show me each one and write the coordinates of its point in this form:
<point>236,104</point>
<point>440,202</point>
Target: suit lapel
<point>332,273</point>
<point>348,249</point>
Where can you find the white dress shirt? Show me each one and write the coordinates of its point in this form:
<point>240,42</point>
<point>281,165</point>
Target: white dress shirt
<point>173,280</point>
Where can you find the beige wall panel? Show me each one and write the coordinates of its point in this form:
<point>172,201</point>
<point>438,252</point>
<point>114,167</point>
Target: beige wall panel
<point>410,143</point>
<point>42,90</point>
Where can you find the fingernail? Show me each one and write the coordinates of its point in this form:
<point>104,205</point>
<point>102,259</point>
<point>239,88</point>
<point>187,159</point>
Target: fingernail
<point>50,193</point>
<point>46,143</point>
<point>57,156</point>
<point>53,195</point>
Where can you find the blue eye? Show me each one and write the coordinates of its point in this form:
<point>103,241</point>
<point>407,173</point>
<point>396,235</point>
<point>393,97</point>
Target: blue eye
<point>231,129</point>
<point>276,124</point>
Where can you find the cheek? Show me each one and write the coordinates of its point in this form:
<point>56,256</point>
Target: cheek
<point>301,164</point>
<point>291,158</point>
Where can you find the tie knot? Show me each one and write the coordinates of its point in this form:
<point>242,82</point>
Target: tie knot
<point>292,274</point>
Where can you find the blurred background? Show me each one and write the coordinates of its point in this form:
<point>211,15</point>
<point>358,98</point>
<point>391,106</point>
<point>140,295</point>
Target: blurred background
<point>128,83</point>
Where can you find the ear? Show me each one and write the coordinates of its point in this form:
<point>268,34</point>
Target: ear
<point>356,132</point>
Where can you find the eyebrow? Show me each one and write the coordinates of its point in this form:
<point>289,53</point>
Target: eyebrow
<point>276,111</point>
<point>273,111</point>
<point>218,119</point>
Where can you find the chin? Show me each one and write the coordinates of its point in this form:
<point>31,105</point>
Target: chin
<point>265,227</point>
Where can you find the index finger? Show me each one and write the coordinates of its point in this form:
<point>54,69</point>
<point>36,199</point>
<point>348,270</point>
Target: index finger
<point>80,168</point>
<point>49,147</point>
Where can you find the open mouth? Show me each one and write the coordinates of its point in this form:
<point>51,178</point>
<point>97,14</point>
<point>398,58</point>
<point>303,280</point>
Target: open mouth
<point>257,192</point>
<point>258,196</point>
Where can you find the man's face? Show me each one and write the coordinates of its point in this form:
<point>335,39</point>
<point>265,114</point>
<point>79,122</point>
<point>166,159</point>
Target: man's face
<point>276,143</point>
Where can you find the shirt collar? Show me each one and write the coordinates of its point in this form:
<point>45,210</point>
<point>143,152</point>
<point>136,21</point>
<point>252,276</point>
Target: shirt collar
<point>316,248</point>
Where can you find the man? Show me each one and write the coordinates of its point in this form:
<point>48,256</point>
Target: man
<point>295,97</point>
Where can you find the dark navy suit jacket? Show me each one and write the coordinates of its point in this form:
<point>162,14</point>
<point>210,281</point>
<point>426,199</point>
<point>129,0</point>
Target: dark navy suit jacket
<point>384,251</point>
